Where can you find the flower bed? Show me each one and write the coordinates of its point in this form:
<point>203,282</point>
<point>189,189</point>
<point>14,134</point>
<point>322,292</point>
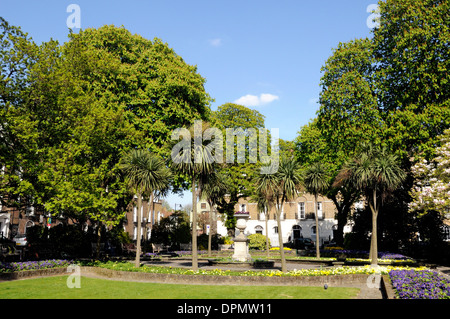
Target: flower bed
<point>33,265</point>
<point>419,284</point>
<point>345,270</point>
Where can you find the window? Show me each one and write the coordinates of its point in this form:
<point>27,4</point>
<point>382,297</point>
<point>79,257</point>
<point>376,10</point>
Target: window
<point>313,230</point>
<point>275,230</point>
<point>258,229</point>
<point>203,205</point>
<point>319,210</point>
<point>135,213</point>
<point>296,231</point>
<point>301,210</point>
<point>243,208</point>
<point>446,232</point>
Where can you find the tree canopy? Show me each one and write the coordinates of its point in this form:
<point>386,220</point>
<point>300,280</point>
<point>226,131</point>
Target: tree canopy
<point>69,112</point>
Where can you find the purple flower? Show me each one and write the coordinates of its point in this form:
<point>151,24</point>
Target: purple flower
<point>33,265</point>
<point>424,284</point>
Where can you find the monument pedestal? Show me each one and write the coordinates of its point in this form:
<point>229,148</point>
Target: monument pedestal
<point>241,241</point>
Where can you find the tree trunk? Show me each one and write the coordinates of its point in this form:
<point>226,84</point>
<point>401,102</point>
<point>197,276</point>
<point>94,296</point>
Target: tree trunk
<point>373,243</point>
<point>138,235</point>
<point>267,234</point>
<point>317,228</point>
<point>194,228</point>
<point>210,229</point>
<point>99,235</point>
<point>150,210</point>
<point>280,240</point>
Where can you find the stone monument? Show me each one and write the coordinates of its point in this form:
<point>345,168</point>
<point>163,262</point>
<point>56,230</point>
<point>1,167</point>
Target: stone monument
<point>241,241</point>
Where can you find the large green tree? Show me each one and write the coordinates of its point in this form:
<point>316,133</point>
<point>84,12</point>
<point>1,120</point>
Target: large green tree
<point>68,113</point>
<point>155,87</point>
<point>63,145</point>
<point>411,48</point>
<point>238,176</point>
<point>348,114</point>
<point>391,89</point>
<point>18,54</point>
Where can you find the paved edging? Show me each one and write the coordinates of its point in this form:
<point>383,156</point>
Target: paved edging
<point>24,274</point>
<point>331,280</point>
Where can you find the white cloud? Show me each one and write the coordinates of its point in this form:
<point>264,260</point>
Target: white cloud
<point>267,98</point>
<point>215,42</point>
<point>253,100</point>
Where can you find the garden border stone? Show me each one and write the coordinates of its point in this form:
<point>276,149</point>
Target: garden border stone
<point>386,287</point>
<point>24,274</point>
<point>351,280</point>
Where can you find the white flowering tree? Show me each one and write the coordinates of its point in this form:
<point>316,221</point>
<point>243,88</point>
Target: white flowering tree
<point>432,180</point>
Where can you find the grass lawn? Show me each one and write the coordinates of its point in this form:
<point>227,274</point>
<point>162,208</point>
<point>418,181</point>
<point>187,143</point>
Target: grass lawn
<point>56,288</point>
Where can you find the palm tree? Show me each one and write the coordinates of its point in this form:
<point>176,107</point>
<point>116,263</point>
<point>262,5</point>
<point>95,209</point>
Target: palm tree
<point>214,190</point>
<point>279,188</point>
<point>316,182</point>
<point>377,173</point>
<point>197,164</point>
<point>264,206</point>
<point>145,172</point>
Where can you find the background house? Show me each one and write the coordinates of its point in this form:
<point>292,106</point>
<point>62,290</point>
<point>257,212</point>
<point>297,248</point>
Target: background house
<point>297,220</point>
<point>151,214</point>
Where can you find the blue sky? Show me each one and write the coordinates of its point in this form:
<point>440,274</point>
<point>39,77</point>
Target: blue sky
<point>264,54</point>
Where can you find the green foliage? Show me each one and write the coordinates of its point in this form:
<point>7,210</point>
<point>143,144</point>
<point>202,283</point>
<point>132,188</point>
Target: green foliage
<point>172,230</point>
<point>348,111</point>
<point>203,239</point>
<point>412,74</point>
<point>69,112</point>
<point>389,90</point>
<point>279,188</point>
<point>155,88</point>
<point>230,115</point>
<point>316,178</point>
<point>238,177</point>
<point>257,241</point>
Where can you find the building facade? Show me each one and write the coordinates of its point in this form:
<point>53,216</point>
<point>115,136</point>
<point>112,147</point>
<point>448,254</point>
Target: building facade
<point>150,215</point>
<point>297,220</point>
<point>14,221</point>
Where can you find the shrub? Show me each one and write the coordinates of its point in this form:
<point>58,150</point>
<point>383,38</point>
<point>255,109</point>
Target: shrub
<point>227,240</point>
<point>257,241</point>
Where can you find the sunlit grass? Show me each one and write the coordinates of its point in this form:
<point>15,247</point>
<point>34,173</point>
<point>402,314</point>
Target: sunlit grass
<point>56,288</point>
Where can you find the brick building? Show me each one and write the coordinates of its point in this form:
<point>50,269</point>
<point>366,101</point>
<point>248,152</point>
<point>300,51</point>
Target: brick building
<point>297,219</point>
<point>150,215</point>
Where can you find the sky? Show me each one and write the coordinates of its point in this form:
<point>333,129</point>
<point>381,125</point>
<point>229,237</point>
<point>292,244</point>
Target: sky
<point>266,55</point>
